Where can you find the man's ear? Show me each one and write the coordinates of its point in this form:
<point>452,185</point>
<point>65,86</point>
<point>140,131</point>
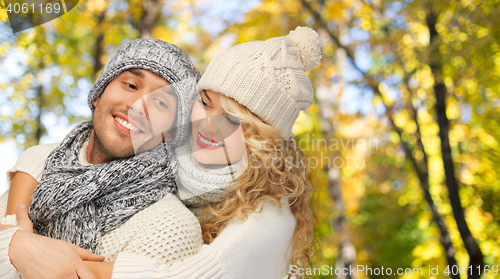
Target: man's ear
<point>96,101</point>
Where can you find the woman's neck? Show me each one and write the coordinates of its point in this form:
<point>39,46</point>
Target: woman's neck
<point>214,166</point>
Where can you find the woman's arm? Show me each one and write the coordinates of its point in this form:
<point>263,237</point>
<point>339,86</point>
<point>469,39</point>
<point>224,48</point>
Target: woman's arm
<point>257,247</point>
<point>24,176</point>
<point>22,186</point>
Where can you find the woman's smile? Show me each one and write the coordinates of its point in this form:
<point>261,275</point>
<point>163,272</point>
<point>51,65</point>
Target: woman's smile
<point>207,143</point>
<point>217,137</point>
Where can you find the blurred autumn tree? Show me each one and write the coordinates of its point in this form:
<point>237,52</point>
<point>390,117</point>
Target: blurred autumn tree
<point>404,135</point>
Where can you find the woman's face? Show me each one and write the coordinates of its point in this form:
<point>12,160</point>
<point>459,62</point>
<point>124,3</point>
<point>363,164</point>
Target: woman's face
<point>153,113</point>
<point>217,137</point>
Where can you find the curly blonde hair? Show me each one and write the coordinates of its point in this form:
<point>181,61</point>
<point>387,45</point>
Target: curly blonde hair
<point>276,169</point>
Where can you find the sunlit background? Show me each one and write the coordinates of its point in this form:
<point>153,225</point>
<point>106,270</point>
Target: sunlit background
<point>403,138</point>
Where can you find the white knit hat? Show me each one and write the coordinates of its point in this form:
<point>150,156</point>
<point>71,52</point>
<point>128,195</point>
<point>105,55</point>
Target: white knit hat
<point>268,77</point>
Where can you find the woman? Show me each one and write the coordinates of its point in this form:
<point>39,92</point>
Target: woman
<point>263,222</point>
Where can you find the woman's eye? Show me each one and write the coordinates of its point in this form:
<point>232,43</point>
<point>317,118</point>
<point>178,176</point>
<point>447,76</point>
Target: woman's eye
<point>233,121</point>
<point>160,103</point>
<point>201,101</point>
<point>131,86</point>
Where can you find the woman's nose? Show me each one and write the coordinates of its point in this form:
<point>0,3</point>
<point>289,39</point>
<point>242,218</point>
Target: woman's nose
<point>209,124</point>
<point>138,107</point>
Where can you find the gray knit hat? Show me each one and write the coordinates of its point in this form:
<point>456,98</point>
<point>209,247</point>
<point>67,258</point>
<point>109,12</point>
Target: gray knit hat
<point>161,58</point>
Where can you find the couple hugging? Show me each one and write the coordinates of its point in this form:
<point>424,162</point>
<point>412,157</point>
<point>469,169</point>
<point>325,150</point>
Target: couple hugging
<point>176,176</point>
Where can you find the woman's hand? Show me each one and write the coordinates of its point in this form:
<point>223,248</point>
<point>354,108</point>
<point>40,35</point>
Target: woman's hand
<point>101,270</point>
<point>36,256</point>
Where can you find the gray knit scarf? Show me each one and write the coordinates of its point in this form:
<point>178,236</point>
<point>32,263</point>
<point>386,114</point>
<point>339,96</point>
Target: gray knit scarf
<point>198,186</point>
<point>77,203</point>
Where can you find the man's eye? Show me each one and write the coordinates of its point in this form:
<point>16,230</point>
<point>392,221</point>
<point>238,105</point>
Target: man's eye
<point>131,86</point>
<point>160,103</point>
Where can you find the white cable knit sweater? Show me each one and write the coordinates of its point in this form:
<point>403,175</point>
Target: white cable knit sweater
<point>162,241</point>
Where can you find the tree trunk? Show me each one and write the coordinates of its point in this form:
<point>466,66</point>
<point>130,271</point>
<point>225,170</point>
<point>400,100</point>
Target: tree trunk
<point>149,19</point>
<point>423,177</point>
<point>346,256</point>
<point>449,248</point>
<point>40,104</point>
<point>98,44</point>
<point>475,254</point>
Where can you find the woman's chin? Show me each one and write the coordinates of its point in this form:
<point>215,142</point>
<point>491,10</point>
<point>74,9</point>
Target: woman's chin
<point>206,157</point>
<point>212,159</point>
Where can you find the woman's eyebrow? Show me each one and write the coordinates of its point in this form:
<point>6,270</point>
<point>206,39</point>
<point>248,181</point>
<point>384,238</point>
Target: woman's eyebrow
<point>206,95</point>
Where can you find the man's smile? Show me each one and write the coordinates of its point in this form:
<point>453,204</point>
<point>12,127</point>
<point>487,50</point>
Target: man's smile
<point>126,125</point>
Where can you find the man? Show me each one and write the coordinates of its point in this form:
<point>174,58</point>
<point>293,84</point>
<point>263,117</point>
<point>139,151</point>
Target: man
<point>99,182</point>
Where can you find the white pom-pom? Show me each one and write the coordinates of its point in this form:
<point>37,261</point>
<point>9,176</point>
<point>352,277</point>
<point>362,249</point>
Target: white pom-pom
<point>309,45</point>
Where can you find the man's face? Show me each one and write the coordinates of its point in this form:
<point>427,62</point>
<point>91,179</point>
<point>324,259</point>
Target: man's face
<point>133,111</point>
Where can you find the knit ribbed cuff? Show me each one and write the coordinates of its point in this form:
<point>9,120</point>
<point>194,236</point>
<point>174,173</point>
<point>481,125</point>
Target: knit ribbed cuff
<point>7,270</point>
<point>9,220</point>
<point>130,265</point>
<point>205,264</point>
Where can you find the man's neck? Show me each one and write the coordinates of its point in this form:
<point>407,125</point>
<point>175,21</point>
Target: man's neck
<point>94,152</point>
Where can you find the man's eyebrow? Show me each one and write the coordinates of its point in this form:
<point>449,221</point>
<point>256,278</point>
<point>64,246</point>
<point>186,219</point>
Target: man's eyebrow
<point>206,95</point>
<point>136,72</point>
